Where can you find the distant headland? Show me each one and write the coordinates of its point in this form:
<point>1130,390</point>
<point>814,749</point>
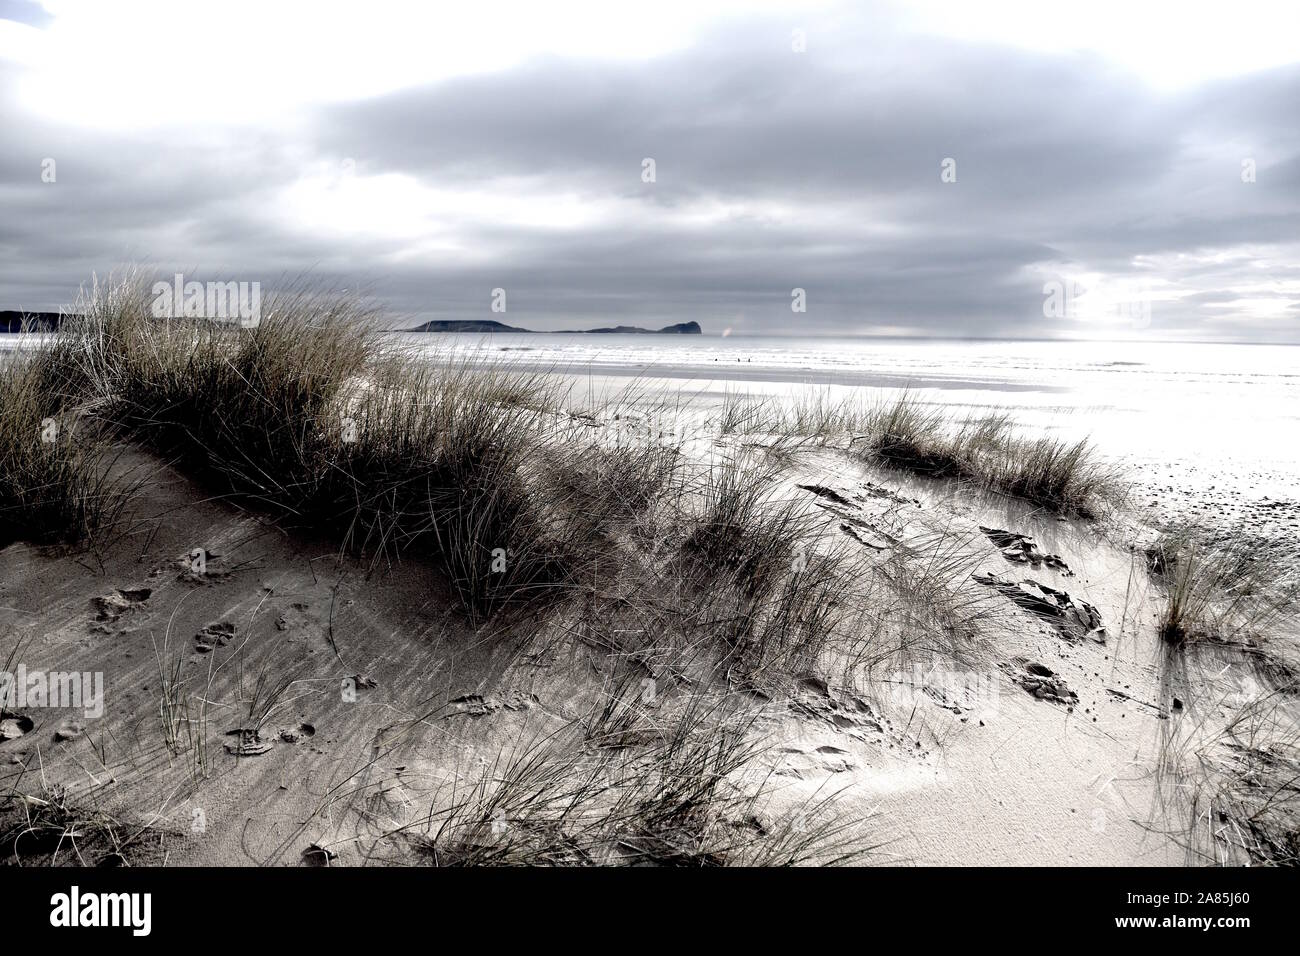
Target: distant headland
<point>488,325</point>
<point>20,321</point>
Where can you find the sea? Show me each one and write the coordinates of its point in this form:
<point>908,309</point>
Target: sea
<point>1175,409</point>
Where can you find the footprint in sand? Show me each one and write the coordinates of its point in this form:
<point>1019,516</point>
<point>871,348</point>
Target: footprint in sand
<point>1041,681</point>
<point>1072,618</point>
<point>69,730</point>
<point>1021,549</point>
<point>820,761</point>
<point>213,636</point>
<point>110,607</point>
<point>476,705</point>
<point>851,714</point>
<point>248,743</point>
<point>295,616</point>
<point>854,524</point>
<point>316,855</point>
<point>296,734</point>
<point>13,726</point>
<point>198,567</point>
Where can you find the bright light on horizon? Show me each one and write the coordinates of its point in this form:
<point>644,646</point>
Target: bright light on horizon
<point>1169,44</point>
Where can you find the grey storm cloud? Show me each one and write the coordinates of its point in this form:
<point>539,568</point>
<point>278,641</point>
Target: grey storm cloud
<point>817,170</point>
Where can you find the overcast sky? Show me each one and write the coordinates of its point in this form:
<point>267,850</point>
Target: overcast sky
<point>1138,161</point>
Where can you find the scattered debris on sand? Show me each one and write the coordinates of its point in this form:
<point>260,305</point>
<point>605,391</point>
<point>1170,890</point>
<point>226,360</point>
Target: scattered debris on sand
<point>1155,708</point>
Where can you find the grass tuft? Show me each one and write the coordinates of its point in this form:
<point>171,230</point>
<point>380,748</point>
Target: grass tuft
<point>1063,477</point>
<point>309,417</point>
<point>688,791</point>
<point>55,486</point>
<point>1224,587</point>
<point>53,830</point>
